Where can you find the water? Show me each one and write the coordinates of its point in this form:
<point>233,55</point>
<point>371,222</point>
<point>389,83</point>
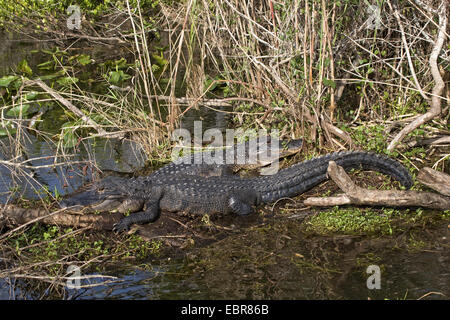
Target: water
<point>107,155</point>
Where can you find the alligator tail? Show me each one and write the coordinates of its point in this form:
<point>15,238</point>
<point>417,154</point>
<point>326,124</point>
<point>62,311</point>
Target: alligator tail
<point>303,176</point>
<point>377,162</point>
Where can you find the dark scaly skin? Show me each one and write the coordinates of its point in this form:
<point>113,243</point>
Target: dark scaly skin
<point>232,194</point>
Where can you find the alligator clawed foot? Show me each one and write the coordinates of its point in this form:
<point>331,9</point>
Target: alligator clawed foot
<point>121,226</point>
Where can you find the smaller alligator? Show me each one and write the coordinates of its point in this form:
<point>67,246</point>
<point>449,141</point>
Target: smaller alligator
<point>176,191</point>
<point>255,153</point>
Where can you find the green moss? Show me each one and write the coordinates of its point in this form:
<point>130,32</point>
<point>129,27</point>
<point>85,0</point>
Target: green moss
<point>350,221</point>
<point>370,221</point>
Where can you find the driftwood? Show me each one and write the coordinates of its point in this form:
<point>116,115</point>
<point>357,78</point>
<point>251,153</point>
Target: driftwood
<point>435,180</point>
<point>436,141</point>
<point>20,216</point>
<point>393,198</point>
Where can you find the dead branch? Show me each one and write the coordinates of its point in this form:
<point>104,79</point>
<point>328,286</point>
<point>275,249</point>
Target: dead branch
<point>20,216</point>
<point>436,141</point>
<point>328,201</point>
<point>337,132</point>
<point>392,198</point>
<point>69,106</point>
<point>436,180</point>
<point>435,104</point>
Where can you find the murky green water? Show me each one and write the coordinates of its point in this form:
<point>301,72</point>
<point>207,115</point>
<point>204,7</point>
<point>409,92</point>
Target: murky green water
<point>262,258</point>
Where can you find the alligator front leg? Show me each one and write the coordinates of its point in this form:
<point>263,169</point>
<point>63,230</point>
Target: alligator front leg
<point>131,205</point>
<point>150,214</point>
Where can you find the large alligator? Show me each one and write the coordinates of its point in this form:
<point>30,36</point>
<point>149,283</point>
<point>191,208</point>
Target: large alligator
<point>177,188</point>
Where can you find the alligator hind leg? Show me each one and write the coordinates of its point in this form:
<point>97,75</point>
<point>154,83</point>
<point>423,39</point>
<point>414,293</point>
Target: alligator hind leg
<point>242,203</point>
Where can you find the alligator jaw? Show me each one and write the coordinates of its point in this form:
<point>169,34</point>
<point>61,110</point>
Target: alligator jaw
<point>92,201</point>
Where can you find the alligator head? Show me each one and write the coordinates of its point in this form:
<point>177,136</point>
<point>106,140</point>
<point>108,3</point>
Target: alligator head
<point>109,194</point>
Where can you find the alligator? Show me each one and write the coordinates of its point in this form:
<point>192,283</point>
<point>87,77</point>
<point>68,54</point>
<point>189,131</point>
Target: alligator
<point>255,153</point>
<point>175,190</point>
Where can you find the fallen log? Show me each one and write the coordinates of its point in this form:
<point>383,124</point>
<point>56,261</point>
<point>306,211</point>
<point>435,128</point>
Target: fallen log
<point>392,198</point>
<point>20,216</point>
<point>436,180</point>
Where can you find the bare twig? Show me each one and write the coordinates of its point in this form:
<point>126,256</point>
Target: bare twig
<point>67,104</point>
<point>25,216</point>
<point>435,105</point>
<point>405,43</point>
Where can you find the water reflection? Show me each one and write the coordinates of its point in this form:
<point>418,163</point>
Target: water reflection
<point>107,155</point>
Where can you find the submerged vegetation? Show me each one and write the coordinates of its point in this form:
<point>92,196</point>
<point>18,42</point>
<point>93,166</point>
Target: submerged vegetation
<point>329,72</point>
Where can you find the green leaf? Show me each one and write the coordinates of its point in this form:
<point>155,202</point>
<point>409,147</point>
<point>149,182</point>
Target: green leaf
<point>84,59</point>
<point>117,77</point>
<point>6,127</point>
<point>6,80</point>
<point>48,65</point>
<point>67,81</point>
<point>47,51</point>
<point>24,68</point>
<point>160,61</point>
<point>329,83</point>
<point>114,77</point>
<point>15,111</point>
<point>210,84</point>
<point>69,139</point>
<point>122,63</point>
<point>31,95</point>
<point>52,76</point>
<point>57,194</point>
<point>155,68</point>
<point>57,52</point>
